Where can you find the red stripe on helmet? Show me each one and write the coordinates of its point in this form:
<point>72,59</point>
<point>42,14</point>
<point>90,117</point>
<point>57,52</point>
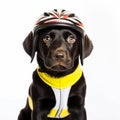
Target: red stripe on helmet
<point>65,16</point>
<point>52,21</point>
<point>80,24</point>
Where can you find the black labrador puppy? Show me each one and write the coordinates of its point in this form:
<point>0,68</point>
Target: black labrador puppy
<point>58,88</point>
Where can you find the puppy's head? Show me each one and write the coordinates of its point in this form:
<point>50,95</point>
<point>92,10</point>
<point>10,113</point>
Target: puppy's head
<point>58,41</point>
<point>58,48</point>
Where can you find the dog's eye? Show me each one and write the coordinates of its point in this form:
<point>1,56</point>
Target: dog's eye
<point>71,39</point>
<point>47,39</point>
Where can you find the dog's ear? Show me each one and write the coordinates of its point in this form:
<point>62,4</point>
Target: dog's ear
<point>87,48</point>
<point>28,45</point>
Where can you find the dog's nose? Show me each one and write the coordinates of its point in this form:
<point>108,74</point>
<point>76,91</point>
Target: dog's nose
<point>60,55</point>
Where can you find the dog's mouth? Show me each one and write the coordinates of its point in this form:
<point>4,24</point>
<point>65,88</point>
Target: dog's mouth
<point>59,66</point>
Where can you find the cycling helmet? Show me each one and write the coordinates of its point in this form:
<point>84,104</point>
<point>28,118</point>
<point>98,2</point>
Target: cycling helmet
<point>58,18</point>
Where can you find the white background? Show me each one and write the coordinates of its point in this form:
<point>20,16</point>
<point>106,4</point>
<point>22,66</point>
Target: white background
<point>101,19</point>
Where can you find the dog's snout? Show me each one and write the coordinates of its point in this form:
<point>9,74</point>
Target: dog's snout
<point>60,55</point>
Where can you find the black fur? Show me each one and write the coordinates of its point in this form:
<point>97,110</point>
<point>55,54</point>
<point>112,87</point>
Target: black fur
<point>67,57</point>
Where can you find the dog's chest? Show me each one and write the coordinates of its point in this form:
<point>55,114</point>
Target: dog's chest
<point>61,88</point>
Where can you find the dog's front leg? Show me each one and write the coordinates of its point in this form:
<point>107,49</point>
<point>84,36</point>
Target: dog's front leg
<point>38,112</point>
<point>41,108</point>
<point>76,100</point>
<point>77,110</point>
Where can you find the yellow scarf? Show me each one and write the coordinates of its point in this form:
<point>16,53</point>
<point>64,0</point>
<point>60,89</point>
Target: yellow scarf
<point>61,82</point>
